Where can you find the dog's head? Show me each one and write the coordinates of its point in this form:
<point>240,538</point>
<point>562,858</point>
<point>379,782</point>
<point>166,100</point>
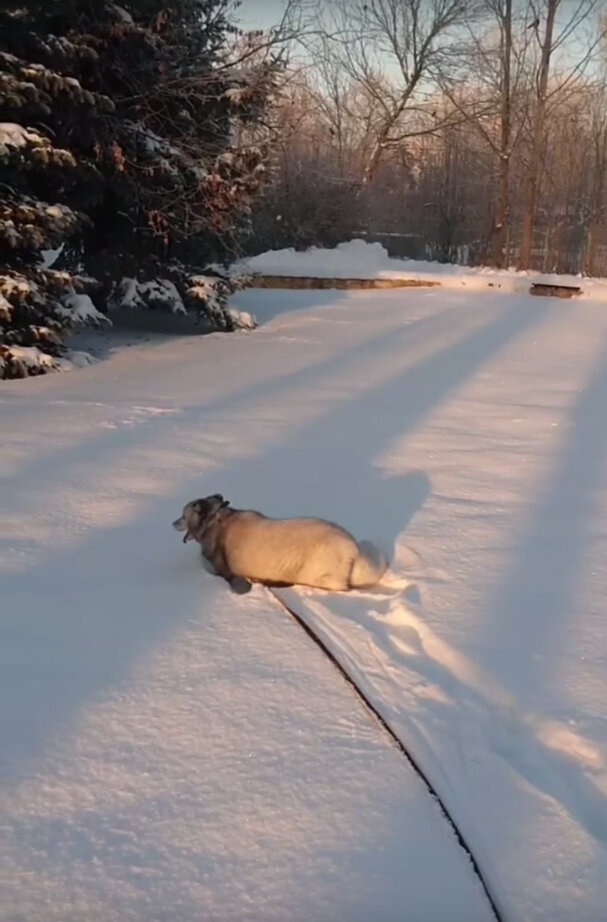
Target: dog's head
<point>196,515</point>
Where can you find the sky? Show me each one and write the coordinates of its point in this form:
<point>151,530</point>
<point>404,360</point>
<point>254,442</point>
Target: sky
<point>259,14</point>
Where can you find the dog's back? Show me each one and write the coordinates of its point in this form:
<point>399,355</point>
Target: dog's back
<point>305,551</point>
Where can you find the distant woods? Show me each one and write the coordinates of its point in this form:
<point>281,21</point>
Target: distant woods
<point>460,131</point>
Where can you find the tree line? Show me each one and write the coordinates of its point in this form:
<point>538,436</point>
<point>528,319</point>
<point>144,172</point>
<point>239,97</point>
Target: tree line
<point>461,131</point>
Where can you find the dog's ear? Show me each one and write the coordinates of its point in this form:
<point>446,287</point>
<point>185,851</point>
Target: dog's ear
<point>218,497</point>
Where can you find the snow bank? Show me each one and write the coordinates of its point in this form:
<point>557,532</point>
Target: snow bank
<point>358,259</point>
<point>242,320</point>
<point>77,358</point>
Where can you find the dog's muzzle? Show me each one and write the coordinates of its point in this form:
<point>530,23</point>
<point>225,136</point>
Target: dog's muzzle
<point>181,525</point>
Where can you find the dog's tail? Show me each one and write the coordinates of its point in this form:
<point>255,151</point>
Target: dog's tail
<point>368,567</point>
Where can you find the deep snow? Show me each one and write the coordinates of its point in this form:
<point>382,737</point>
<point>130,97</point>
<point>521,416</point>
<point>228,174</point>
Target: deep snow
<point>166,739</point>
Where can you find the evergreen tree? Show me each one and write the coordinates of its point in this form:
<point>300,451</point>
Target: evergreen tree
<point>117,144</point>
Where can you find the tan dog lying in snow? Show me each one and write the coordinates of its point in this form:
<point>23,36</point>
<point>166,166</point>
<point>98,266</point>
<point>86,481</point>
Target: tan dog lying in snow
<point>245,547</point>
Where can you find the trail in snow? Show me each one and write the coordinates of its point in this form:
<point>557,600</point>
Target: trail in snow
<point>420,687</point>
<point>361,693</point>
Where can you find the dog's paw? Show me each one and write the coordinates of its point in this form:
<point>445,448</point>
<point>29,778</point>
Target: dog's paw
<point>240,585</point>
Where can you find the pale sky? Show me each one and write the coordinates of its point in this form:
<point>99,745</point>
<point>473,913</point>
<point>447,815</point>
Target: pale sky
<point>259,14</point>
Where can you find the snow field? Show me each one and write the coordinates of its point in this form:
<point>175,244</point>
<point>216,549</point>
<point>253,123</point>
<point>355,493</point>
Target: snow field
<point>465,434</point>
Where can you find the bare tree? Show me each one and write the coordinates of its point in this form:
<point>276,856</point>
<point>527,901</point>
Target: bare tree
<point>551,37</point>
<point>598,183</point>
<point>503,12</point>
<point>537,138</point>
<point>391,50</point>
<point>437,159</point>
<point>496,54</point>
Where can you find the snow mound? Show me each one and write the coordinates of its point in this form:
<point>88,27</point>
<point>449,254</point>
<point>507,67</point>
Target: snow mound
<point>242,320</point>
<point>358,259</point>
<point>76,358</point>
<point>355,259</point>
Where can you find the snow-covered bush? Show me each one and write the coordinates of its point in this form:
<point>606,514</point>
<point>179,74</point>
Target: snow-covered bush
<point>203,295</point>
<point>37,308</point>
<point>208,294</point>
<point>155,294</point>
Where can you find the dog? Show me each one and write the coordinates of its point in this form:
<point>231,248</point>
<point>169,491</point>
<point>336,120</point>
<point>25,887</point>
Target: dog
<point>245,547</point>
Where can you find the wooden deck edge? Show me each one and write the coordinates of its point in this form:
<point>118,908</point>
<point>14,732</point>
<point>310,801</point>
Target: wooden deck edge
<point>538,289</point>
<point>544,289</point>
<point>306,282</point>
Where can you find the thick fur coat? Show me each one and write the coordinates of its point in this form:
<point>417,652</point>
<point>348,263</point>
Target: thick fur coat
<point>244,546</point>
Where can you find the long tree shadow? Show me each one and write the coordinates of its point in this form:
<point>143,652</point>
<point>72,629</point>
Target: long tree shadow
<point>407,337</point>
<point>267,304</point>
<point>327,468</point>
<point>77,622</point>
<point>535,601</point>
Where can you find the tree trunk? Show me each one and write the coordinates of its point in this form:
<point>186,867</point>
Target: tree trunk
<point>381,141</point>
<point>589,255</point>
<point>502,206</point>
<point>373,160</point>
<point>538,139</point>
<point>597,213</point>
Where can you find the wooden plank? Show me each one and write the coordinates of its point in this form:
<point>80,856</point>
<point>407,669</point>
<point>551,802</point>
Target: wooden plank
<point>292,281</point>
<point>554,291</point>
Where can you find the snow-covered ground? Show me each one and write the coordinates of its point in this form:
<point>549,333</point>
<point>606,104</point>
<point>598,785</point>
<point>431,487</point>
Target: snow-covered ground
<point>173,751</point>
<point>358,259</point>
